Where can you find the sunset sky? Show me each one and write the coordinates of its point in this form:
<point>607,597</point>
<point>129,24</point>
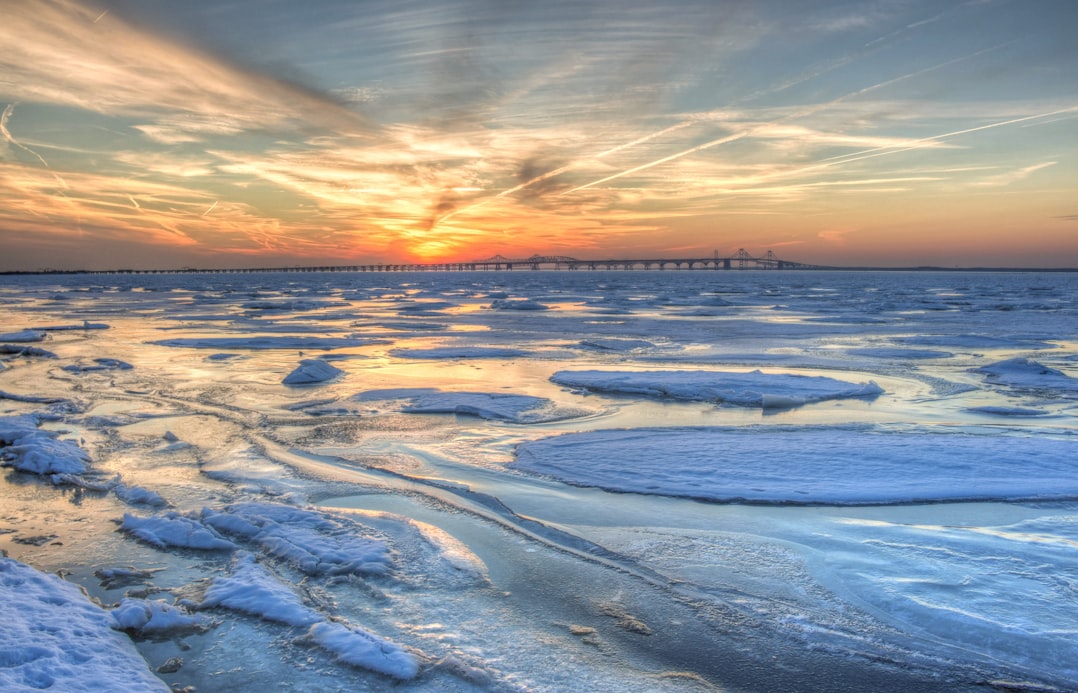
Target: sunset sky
<point>244,133</point>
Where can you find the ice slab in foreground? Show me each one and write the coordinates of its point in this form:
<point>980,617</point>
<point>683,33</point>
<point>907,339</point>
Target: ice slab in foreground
<point>755,389</point>
<point>54,638</point>
<point>826,466</point>
<point>27,448</point>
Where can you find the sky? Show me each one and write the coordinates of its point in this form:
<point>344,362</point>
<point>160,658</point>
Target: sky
<point>268,133</point>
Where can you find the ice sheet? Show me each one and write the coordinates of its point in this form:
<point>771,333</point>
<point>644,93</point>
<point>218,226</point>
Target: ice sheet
<point>837,466</point>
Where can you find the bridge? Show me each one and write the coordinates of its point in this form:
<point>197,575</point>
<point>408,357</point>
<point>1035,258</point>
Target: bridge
<point>741,260</point>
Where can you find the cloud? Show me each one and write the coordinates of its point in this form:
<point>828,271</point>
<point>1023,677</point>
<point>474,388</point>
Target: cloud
<point>70,53</point>
<point>1011,177</point>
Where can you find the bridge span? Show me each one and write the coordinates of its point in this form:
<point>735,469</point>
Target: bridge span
<point>739,261</point>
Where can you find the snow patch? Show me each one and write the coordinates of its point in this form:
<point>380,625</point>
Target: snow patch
<point>54,638</point>
<point>174,530</point>
<point>360,648</point>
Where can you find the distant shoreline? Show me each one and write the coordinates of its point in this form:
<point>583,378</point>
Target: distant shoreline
<point>352,270</point>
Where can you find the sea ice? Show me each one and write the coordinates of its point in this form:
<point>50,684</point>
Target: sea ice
<point>312,371</point>
<point>174,530</point>
<point>826,465</point>
<point>362,649</point>
<point>618,345</point>
<point>517,304</point>
<point>767,390</point>
<point>26,350</point>
<point>23,336</point>
<point>252,589</point>
<point>54,638</point>
<point>495,406</point>
<point>1024,374</point>
<point>154,616</point>
<point>103,364</point>
<point>136,495</point>
<point>27,448</point>
<point>316,543</point>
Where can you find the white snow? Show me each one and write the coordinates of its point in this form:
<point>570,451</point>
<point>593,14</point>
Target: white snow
<point>312,371</point>
<point>174,530</point>
<point>252,589</point>
<point>830,466</point>
<point>365,650</point>
<point>755,389</point>
<point>316,543</point>
<point>27,448</point>
<point>136,495</point>
<point>54,638</point>
<point>154,617</point>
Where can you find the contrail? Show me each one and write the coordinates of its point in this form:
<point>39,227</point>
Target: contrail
<point>212,207</point>
<point>8,112</point>
<point>913,144</point>
<point>798,114</point>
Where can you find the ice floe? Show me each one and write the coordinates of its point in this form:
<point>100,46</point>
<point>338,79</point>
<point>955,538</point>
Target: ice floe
<point>174,530</point>
<point>26,350</point>
<point>827,466</point>
<point>617,345</point>
<point>54,638</point>
<point>496,406</point>
<point>155,616</point>
<point>102,364</point>
<point>316,543</point>
<point>1022,373</point>
<point>360,648</point>
<point>755,389</point>
<point>517,304</point>
<point>23,336</point>
<point>251,588</point>
<point>25,447</point>
<point>312,371</point>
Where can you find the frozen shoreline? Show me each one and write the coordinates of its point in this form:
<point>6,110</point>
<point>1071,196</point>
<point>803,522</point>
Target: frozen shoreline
<point>492,577</point>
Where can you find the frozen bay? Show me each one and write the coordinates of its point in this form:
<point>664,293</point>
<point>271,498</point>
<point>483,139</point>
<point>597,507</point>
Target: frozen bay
<point>749,480</point>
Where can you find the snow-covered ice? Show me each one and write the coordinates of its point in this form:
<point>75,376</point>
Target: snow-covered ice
<point>827,465</point>
<point>312,371</point>
<point>885,461</point>
<point>755,389</point>
<point>54,638</point>
<point>252,589</point>
<point>27,448</point>
<point>174,530</point>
